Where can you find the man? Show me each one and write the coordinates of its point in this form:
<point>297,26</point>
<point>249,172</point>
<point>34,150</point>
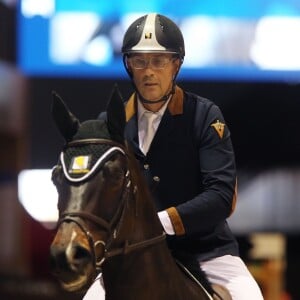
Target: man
<point>184,147</point>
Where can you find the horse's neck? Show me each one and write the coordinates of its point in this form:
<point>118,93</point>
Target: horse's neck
<point>139,222</point>
<point>145,264</point>
<point>148,272</point>
<point>136,275</point>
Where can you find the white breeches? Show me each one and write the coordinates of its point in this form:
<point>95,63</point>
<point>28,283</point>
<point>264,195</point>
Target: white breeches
<point>229,271</point>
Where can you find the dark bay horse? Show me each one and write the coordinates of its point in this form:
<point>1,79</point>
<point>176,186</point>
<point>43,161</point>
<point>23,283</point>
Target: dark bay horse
<point>107,219</point>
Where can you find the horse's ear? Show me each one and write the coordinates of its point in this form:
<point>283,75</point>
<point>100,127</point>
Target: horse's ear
<point>116,118</point>
<point>65,121</point>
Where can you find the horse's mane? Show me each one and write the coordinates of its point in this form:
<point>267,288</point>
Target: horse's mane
<point>136,173</point>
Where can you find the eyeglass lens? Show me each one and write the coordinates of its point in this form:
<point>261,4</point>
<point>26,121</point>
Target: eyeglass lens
<point>155,62</point>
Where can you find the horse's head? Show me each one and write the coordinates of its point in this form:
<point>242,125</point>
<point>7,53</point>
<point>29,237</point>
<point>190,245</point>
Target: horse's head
<point>93,184</point>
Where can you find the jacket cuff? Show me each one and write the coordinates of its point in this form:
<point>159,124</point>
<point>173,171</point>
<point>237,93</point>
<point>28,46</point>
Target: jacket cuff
<point>176,221</point>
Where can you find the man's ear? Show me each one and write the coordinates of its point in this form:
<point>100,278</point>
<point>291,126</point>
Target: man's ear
<point>128,66</point>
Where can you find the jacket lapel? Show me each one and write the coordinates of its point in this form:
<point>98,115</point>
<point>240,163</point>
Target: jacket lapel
<point>168,122</point>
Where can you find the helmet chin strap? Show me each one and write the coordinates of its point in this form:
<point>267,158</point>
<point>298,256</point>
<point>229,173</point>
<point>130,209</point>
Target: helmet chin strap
<point>162,99</point>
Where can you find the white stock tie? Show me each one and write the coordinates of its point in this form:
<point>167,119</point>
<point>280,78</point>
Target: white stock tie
<point>149,129</point>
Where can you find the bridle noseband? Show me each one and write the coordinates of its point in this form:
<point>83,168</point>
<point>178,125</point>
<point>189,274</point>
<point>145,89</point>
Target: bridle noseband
<point>112,227</point>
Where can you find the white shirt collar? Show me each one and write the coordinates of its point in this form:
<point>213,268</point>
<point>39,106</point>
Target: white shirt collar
<point>142,109</point>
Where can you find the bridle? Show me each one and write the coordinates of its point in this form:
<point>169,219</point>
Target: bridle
<point>112,227</point>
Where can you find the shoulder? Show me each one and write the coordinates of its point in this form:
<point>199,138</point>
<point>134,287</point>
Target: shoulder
<point>197,100</point>
<point>206,115</point>
<point>201,106</point>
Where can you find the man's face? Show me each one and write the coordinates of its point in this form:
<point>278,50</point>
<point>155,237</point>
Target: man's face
<point>153,73</point>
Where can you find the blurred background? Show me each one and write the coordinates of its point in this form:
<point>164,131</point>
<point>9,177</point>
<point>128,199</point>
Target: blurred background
<point>242,55</point>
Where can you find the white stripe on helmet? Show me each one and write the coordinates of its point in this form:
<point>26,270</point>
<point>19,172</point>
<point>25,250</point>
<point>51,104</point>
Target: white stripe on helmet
<point>148,41</point>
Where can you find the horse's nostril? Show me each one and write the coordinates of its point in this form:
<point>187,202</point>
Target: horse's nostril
<point>72,258</point>
<point>58,261</point>
<point>81,253</point>
<point>78,258</point>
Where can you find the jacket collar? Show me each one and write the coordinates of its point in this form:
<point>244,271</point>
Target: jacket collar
<point>175,105</point>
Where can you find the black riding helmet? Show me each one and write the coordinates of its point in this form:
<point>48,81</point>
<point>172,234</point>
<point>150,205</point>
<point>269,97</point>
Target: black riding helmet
<point>153,33</point>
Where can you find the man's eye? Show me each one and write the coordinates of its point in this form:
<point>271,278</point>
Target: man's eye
<point>157,61</point>
<point>139,61</point>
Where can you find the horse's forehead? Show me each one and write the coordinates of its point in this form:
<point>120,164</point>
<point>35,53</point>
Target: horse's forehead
<point>80,160</point>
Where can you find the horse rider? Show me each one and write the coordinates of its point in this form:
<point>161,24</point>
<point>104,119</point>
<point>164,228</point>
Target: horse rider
<point>184,147</point>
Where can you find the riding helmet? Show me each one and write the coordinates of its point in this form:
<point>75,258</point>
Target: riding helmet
<point>153,33</point>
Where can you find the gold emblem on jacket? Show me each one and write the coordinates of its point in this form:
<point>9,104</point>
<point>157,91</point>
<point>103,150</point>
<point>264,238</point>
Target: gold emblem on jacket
<point>219,127</point>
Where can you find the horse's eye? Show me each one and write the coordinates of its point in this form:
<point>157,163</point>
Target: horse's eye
<point>113,171</point>
<point>56,174</point>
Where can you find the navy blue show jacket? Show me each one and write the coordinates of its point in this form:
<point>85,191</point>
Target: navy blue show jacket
<point>190,169</point>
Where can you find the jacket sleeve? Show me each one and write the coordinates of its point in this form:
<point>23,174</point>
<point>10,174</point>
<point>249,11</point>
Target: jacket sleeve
<point>216,202</point>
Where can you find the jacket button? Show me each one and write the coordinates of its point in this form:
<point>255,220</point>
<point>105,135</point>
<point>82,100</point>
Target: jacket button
<point>156,178</point>
<point>146,166</point>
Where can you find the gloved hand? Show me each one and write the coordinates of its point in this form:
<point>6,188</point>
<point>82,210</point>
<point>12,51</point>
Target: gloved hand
<point>166,222</point>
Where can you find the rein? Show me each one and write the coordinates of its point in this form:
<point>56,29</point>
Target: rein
<point>112,227</point>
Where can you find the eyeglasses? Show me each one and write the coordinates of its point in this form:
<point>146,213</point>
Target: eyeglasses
<point>155,62</point>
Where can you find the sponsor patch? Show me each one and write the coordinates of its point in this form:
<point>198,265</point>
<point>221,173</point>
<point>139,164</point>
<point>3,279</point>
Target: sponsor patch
<point>80,164</point>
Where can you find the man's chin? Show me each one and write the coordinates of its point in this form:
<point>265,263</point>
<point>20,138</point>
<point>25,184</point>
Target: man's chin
<point>152,96</point>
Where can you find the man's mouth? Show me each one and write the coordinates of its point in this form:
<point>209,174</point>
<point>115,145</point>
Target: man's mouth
<point>150,84</point>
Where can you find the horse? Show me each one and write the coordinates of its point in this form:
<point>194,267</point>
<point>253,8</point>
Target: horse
<point>107,219</point>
